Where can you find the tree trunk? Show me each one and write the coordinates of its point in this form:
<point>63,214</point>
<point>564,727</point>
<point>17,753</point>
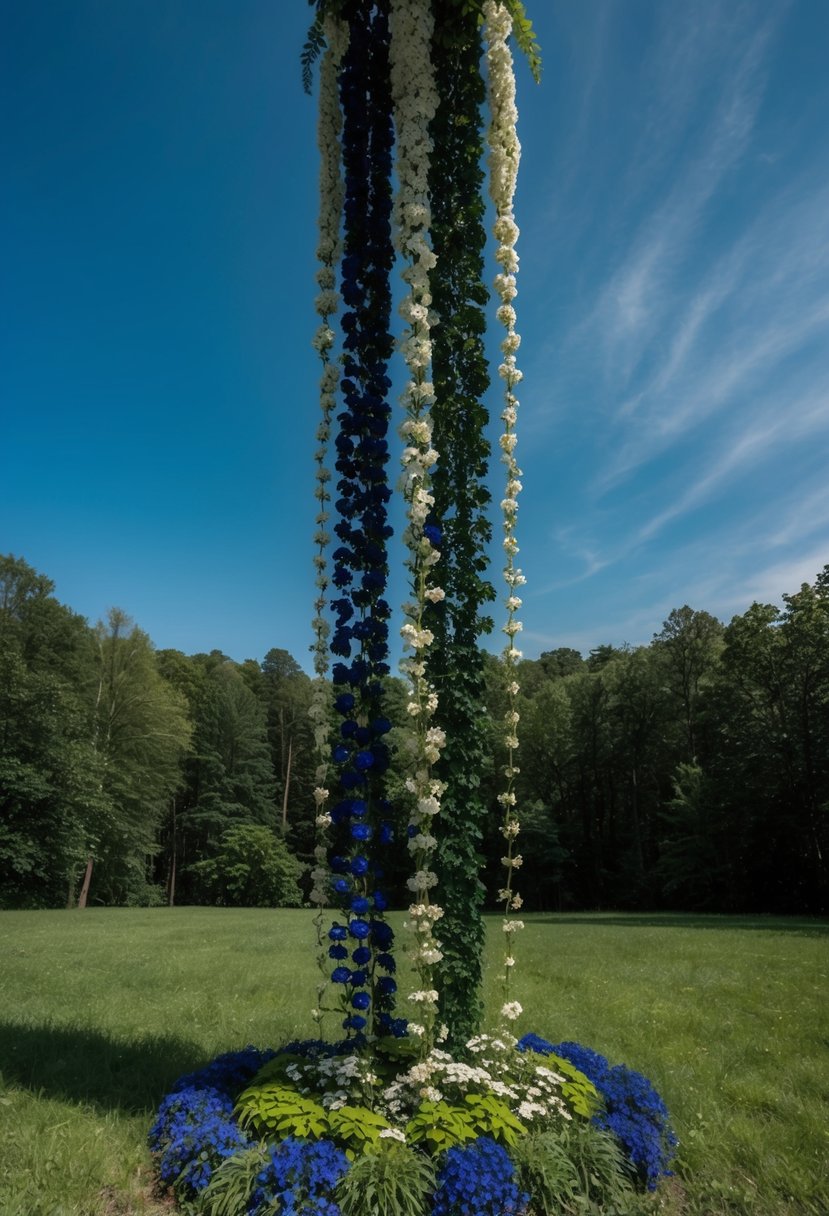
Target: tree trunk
<point>287,785</point>
<point>87,879</point>
<point>171,877</point>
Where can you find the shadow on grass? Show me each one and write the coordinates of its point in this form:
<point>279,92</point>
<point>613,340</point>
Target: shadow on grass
<point>803,926</point>
<point>84,1066</point>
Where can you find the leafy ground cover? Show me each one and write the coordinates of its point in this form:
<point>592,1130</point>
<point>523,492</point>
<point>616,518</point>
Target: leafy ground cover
<point>102,1011</point>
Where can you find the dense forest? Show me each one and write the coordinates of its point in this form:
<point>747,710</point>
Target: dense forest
<point>692,773</point>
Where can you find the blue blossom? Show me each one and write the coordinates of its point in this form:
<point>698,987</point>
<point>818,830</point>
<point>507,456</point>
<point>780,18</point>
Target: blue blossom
<point>633,1110</point>
<point>193,1133</point>
<point>382,934</point>
<point>300,1178</point>
<point>478,1179</point>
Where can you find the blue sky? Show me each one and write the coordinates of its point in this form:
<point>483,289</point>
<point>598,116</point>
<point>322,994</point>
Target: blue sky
<point>157,228</point>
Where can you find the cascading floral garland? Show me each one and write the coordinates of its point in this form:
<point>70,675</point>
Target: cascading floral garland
<point>415,99</point>
<point>504,156</point>
<point>360,940</point>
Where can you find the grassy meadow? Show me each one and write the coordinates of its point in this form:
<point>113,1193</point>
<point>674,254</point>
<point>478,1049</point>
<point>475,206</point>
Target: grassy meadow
<point>101,1010</point>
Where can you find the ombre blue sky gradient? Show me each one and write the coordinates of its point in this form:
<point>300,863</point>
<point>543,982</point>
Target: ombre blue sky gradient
<point>157,232</point>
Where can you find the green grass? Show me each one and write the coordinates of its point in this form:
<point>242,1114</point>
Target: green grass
<point>101,1010</point>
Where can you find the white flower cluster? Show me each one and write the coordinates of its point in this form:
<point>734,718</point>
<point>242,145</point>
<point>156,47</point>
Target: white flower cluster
<point>415,99</point>
<point>531,1091</point>
<point>335,1080</point>
<point>504,156</point>
<point>329,126</point>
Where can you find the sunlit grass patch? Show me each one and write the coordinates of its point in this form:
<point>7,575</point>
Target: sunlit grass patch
<point>102,1010</point>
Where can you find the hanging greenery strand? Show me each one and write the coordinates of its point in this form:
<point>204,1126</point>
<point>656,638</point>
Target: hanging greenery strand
<point>461,378</point>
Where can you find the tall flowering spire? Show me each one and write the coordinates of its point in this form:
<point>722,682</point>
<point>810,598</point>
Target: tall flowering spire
<point>504,156</point>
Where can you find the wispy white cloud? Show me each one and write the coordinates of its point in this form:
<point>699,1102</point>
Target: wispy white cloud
<point>687,368</point>
<point>769,584</point>
<point>800,518</point>
<point>630,304</point>
<point>766,298</point>
<point>746,447</point>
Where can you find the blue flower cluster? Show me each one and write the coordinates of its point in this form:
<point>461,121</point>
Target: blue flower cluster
<point>192,1134</point>
<point>194,1130</point>
<point>478,1179</point>
<point>362,814</point>
<point>299,1179</point>
<point>633,1110</point>
<point>228,1073</point>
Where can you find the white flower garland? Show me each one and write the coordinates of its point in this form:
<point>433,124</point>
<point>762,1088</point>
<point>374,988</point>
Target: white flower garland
<point>415,100</point>
<point>329,247</point>
<point>504,155</point>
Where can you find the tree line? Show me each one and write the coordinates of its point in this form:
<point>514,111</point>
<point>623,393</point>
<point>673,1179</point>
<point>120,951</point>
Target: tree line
<point>691,773</point>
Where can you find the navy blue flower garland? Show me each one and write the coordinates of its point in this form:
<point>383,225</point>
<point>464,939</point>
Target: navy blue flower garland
<point>361,941</point>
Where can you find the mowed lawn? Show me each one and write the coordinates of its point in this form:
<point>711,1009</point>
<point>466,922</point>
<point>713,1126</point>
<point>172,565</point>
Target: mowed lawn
<point>101,1010</point>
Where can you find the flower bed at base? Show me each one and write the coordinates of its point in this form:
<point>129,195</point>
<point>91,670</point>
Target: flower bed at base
<point>342,1129</point>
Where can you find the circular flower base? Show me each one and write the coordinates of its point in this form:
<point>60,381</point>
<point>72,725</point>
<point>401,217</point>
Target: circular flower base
<point>317,1128</point>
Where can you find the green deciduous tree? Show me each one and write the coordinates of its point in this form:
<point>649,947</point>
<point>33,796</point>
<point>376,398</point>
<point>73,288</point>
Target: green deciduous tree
<point>251,868</point>
<point>228,774</point>
<point>689,645</point>
<point>141,732</point>
<point>51,803</point>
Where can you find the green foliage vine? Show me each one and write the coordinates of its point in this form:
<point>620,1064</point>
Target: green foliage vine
<point>460,375</point>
